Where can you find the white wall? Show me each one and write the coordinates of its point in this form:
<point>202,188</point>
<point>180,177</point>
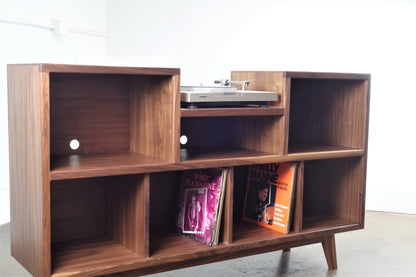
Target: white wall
<point>30,44</point>
<point>208,39</point>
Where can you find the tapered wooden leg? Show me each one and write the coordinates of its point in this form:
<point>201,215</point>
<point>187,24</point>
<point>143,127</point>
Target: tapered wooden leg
<point>286,250</point>
<point>328,245</point>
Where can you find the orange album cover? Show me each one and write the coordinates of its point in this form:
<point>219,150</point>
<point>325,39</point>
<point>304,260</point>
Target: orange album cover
<point>269,195</point>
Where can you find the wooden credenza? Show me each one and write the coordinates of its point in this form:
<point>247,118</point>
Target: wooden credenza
<point>107,207</point>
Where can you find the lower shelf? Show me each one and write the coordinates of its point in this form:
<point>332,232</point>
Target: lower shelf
<point>91,258</point>
<point>170,250</point>
<point>316,223</point>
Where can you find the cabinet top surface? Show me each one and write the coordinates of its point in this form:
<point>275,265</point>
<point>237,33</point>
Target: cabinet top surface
<point>315,75</point>
<point>104,69</point>
<point>99,69</point>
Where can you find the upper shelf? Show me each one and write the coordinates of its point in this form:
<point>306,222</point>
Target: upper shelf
<point>128,121</point>
<point>116,110</point>
<point>95,165</point>
<point>243,111</point>
<point>217,157</point>
<point>309,152</point>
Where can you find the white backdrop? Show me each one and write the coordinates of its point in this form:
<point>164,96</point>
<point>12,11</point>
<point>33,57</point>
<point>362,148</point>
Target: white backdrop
<point>21,43</point>
<point>208,39</point>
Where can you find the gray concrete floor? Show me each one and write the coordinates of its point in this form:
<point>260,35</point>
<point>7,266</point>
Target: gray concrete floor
<point>386,247</point>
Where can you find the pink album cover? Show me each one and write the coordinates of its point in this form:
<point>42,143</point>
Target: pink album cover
<point>199,202</point>
<point>195,211</point>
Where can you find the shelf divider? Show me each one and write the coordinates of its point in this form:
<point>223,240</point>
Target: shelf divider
<point>227,229</point>
<point>298,200</point>
<point>131,213</point>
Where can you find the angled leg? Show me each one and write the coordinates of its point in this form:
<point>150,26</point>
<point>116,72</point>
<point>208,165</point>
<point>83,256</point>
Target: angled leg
<point>328,244</point>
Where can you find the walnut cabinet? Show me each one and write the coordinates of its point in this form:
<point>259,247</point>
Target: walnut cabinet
<point>105,204</point>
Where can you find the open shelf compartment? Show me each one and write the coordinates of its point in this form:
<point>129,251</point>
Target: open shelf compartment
<point>163,203</point>
<point>100,221</point>
<point>244,231</point>
<point>333,193</point>
<point>216,138</point>
<point>125,117</point>
<point>327,115</point>
<point>166,239</point>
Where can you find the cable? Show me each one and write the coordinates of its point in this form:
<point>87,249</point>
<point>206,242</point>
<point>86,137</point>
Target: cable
<point>54,27</point>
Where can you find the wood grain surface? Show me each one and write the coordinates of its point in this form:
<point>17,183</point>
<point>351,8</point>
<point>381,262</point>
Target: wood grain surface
<point>29,166</point>
<point>109,207</point>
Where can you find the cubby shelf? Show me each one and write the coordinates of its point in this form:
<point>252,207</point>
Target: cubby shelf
<point>316,223</point>
<point>212,112</point>
<point>91,258</point>
<point>170,248</point>
<point>95,165</point>
<point>218,154</point>
<point>108,207</point>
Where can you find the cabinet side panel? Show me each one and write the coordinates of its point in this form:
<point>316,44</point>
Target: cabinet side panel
<point>46,179</point>
<point>29,195</point>
<point>364,177</point>
<point>155,116</point>
<point>349,112</point>
<point>260,133</point>
<point>131,212</point>
<point>263,81</point>
<point>352,189</point>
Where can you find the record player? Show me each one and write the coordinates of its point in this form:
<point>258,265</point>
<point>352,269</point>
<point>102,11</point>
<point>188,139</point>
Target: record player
<point>225,95</point>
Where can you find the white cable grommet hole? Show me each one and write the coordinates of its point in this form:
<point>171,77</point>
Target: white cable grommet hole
<point>74,144</point>
<point>183,139</point>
